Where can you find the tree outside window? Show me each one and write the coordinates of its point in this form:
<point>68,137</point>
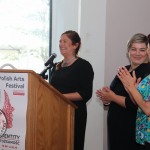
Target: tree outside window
<point>24,33</point>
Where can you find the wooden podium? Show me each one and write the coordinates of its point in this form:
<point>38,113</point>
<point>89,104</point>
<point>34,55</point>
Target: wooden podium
<point>49,117</point>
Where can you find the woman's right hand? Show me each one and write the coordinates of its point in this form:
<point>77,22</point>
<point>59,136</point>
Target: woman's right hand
<point>105,94</point>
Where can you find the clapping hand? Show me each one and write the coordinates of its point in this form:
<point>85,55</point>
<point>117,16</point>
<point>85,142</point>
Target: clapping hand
<point>105,94</point>
<point>127,80</point>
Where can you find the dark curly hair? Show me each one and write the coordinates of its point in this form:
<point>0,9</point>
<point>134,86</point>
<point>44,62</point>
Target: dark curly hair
<point>148,38</point>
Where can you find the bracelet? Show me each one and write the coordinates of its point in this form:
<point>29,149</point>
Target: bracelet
<point>106,104</point>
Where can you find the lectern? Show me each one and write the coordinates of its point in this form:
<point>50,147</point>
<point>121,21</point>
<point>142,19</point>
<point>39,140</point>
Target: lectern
<point>49,115</point>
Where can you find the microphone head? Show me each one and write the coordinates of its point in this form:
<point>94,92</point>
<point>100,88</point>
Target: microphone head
<point>54,55</point>
<point>50,60</point>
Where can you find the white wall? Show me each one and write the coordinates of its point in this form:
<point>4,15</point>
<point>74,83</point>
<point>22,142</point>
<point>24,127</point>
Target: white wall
<point>93,49</point>
<point>104,27</point>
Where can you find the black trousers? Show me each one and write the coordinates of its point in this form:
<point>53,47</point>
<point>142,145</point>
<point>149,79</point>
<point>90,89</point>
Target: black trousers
<point>147,146</point>
<point>80,127</point>
<point>144,147</point>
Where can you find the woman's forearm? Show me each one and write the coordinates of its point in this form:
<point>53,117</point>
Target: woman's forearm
<point>73,96</point>
<point>144,105</point>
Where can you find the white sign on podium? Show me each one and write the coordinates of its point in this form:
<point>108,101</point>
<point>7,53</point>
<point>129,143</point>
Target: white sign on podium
<point>13,107</point>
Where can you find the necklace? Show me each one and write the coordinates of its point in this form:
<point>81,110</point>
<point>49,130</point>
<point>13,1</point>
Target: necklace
<point>66,63</point>
<point>130,69</point>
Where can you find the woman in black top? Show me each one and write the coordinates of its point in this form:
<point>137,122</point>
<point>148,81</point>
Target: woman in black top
<point>73,77</point>
<point>122,110</point>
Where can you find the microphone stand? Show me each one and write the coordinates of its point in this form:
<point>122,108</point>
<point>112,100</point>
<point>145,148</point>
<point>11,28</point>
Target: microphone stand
<point>42,74</point>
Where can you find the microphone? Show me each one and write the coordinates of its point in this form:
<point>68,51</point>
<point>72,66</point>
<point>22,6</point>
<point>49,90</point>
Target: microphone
<point>50,60</point>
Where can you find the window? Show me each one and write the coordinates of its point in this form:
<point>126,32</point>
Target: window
<point>24,33</point>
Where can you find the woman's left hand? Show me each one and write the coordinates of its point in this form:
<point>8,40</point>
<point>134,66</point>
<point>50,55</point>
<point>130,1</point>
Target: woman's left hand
<point>127,80</point>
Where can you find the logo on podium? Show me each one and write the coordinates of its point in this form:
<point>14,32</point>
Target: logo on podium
<point>3,123</point>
